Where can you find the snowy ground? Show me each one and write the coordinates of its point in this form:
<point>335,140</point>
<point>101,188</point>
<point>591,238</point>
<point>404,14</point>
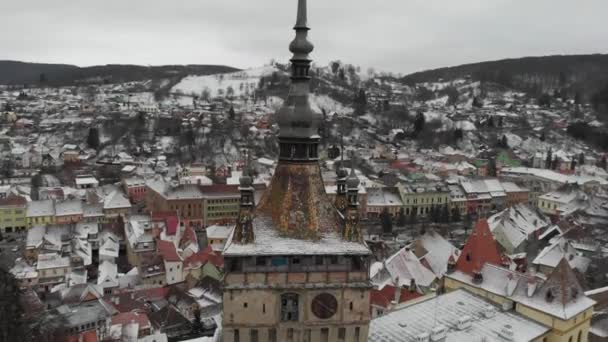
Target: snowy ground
<point>240,81</point>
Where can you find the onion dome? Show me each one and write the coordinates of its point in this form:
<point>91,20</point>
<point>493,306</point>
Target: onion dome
<point>352,182</point>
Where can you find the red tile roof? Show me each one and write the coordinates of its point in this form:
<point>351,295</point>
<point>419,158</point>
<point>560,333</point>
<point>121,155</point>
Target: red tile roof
<point>172,223</point>
<point>166,249</point>
<point>13,200</point>
<point>132,317</point>
<point>204,256</point>
<point>384,297</point>
<point>479,249</point>
<point>136,300</point>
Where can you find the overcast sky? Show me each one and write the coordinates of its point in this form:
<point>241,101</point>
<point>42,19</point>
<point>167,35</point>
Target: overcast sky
<point>391,35</point>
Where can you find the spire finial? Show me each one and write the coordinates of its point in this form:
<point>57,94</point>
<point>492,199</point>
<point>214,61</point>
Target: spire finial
<point>302,21</point>
<point>342,150</point>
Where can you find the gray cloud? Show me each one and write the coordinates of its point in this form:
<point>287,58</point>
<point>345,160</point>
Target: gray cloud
<point>392,35</point>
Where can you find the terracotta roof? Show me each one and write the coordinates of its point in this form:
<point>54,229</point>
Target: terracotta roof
<point>479,249</point>
<point>136,300</point>
<point>131,317</point>
<point>204,256</point>
<point>13,200</point>
<point>166,249</point>
<point>384,297</point>
<point>172,223</point>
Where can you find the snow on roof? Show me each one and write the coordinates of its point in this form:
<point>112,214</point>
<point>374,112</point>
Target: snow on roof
<point>52,260</point>
<point>68,208</point>
<point>86,181</point>
<point>40,208</point>
<point>531,290</point>
<point>517,223</point>
<point>35,236</point>
<point>116,200</point>
<point>550,175</point>
<point>551,256</point>
<point>218,232</point>
<point>404,266</point>
<point>108,272</point>
<point>268,241</point>
<point>383,197</point>
<point>413,321</point>
<point>438,250</point>
<point>110,247</point>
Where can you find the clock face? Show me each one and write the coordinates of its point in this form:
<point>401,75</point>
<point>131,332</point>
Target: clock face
<point>324,306</point>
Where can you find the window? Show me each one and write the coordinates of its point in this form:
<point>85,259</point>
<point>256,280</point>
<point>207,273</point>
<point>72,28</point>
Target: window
<point>341,334</point>
<point>237,336</point>
<point>272,335</point>
<point>351,306</point>
<point>290,334</point>
<point>263,308</point>
<point>580,336</point>
<point>289,307</point>
<point>307,335</point>
<point>333,259</point>
<point>253,335</point>
<point>319,260</point>
<point>357,334</point>
<point>324,335</point>
<point>245,304</point>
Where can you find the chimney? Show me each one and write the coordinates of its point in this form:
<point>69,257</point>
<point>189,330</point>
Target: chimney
<point>397,291</point>
<point>477,277</point>
<point>451,264</point>
<point>413,285</point>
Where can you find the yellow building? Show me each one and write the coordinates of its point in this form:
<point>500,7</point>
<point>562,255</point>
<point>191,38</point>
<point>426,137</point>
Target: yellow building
<point>422,197</point>
<point>557,302</point>
<point>40,213</point>
<point>12,214</point>
<point>550,203</point>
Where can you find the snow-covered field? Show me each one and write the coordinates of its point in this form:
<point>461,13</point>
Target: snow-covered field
<point>240,81</point>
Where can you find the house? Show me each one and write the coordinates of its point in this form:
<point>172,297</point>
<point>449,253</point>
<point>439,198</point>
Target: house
<point>12,214</point>
<point>67,212</point>
<point>457,316</point>
<point>404,269</point>
<point>550,256</point>
<point>52,270</point>
<point>116,204</point>
<point>40,212</point>
<point>135,188</point>
<point>140,236</point>
<point>381,199</point>
<point>217,236</point>
<point>422,197</point>
<point>86,182</point>
<point>515,227</point>
<point>173,262</point>
<point>434,252</point>
<point>557,298</point>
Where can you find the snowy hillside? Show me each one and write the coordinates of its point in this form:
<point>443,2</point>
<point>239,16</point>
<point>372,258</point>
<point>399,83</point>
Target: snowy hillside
<point>242,82</point>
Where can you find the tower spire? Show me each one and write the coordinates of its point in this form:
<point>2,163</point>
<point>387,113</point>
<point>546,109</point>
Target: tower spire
<point>298,123</point>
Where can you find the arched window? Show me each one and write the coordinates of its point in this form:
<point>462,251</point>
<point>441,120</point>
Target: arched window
<point>290,304</point>
<point>580,336</point>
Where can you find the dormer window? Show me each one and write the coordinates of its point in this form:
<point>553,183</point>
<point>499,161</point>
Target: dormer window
<point>549,296</point>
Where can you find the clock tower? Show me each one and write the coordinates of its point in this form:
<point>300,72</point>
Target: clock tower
<point>296,267</point>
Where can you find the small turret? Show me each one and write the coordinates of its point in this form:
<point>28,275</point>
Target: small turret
<point>244,226</point>
<point>341,174</point>
<point>352,230</point>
